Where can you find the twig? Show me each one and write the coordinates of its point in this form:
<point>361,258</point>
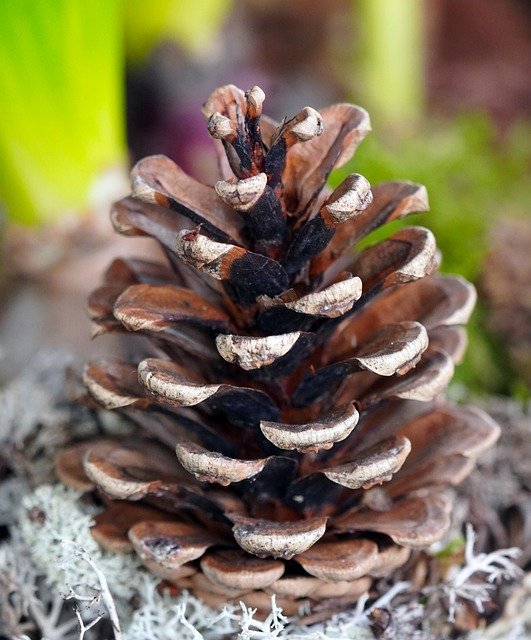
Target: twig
<point>106,595</point>
<point>82,627</point>
<point>48,623</point>
<point>180,611</point>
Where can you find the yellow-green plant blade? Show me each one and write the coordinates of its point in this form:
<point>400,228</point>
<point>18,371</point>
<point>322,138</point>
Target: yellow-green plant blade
<point>190,23</point>
<point>62,125</point>
<point>389,65</point>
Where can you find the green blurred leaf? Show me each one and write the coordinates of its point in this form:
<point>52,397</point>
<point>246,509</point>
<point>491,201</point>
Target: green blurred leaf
<point>61,68</point>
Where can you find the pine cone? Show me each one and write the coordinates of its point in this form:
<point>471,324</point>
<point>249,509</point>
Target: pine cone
<point>292,437</point>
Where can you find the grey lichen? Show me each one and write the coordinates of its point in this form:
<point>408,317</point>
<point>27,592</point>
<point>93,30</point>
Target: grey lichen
<point>52,516</point>
<point>39,415</point>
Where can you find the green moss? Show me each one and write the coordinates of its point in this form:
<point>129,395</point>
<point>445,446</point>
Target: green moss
<point>454,546</point>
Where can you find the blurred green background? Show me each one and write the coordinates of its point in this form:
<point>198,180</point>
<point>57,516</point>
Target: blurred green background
<point>89,86</point>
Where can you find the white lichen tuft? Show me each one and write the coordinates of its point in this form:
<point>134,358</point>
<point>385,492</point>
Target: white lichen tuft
<point>53,516</point>
<point>12,490</point>
<point>476,580</point>
<point>28,402</point>
<point>272,627</point>
<point>27,604</point>
<point>515,623</point>
<point>163,617</point>
<point>354,623</point>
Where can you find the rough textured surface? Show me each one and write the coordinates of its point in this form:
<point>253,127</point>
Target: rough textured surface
<point>292,383</point>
